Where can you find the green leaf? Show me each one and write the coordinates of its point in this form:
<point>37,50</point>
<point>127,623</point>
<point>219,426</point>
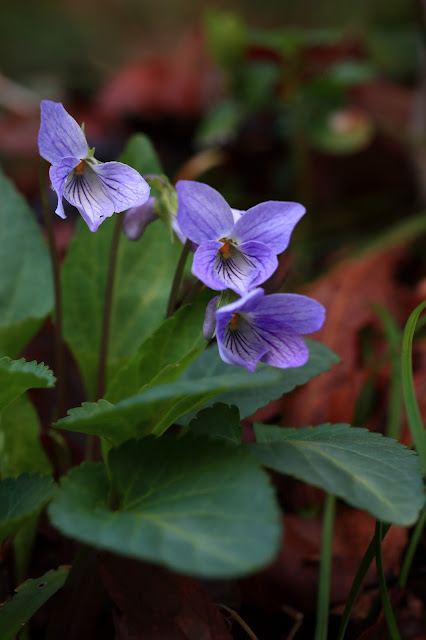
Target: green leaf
<point>251,391</point>
<point>220,422</point>
<point>367,470</point>
<point>29,597</point>
<point>143,279</point>
<point>150,412</point>
<point>165,354</point>
<point>20,448</point>
<point>17,376</point>
<point>20,499</point>
<point>156,408</point>
<point>194,505</point>
<point>140,154</point>
<point>26,292</point>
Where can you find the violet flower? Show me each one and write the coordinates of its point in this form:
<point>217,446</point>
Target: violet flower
<point>96,189</point>
<point>236,251</point>
<point>267,328</point>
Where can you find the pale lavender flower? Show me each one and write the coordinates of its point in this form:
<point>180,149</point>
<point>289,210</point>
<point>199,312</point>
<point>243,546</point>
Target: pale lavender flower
<point>237,250</point>
<point>267,328</point>
<point>96,189</point>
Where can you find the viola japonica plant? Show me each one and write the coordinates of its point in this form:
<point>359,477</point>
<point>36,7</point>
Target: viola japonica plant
<point>174,340</point>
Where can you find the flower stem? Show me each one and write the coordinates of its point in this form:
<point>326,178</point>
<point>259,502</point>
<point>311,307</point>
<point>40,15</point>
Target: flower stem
<point>387,607</point>
<point>106,319</point>
<point>321,630</point>
<point>54,257</point>
<point>358,580</point>
<point>178,278</point>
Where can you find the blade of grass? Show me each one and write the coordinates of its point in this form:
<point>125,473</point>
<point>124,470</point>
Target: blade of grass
<point>358,580</point>
<point>411,550</point>
<point>393,338</point>
<point>387,607</point>
<point>321,630</point>
<point>411,406</point>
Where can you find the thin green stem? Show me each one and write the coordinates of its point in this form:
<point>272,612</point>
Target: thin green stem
<point>393,337</point>
<point>178,278</point>
<point>323,599</point>
<point>358,580</point>
<point>56,272</point>
<point>92,441</point>
<point>387,607</point>
<point>106,319</point>
<point>411,407</point>
<point>411,550</point>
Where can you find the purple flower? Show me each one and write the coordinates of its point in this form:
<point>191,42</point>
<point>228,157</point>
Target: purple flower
<point>237,250</point>
<point>96,189</point>
<point>267,328</point>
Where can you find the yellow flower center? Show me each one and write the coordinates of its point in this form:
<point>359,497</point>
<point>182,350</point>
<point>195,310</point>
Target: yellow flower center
<point>224,249</point>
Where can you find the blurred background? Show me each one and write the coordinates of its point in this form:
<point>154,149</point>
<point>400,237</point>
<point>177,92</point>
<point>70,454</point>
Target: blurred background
<point>318,101</point>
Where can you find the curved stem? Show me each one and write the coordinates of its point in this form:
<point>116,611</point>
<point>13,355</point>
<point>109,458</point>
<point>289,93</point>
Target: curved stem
<point>106,319</point>
<point>387,607</point>
<point>59,343</point>
<point>409,555</point>
<point>178,278</point>
<point>321,630</point>
<point>358,580</point>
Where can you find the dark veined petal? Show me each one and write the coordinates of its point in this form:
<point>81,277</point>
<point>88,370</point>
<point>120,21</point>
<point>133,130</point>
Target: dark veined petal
<point>271,223</point>
<point>263,259</point>
<point>60,136</point>
<point>87,194</point>
<point>123,185</point>
<point>284,349</point>
<point>235,271</point>
<point>58,175</point>
<point>270,327</point>
<point>238,344</point>
<point>290,312</point>
<point>203,214</point>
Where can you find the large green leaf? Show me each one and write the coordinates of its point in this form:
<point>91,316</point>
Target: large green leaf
<point>165,354</point>
<point>194,505</point>
<point>219,421</point>
<point>20,448</point>
<point>17,376</point>
<point>251,391</point>
<point>156,408</point>
<point>20,499</point>
<point>144,273</point>
<point>367,470</point>
<point>26,292</point>
<point>29,597</point>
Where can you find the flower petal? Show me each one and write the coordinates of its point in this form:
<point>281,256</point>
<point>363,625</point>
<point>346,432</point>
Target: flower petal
<point>284,350</point>
<point>136,219</point>
<point>58,175</point>
<point>209,324</point>
<point>240,345</point>
<point>271,223</point>
<point>203,214</point>
<point>123,185</point>
<point>262,258</point>
<point>87,194</point>
<point>235,272</point>
<point>60,136</point>
<point>290,312</point>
